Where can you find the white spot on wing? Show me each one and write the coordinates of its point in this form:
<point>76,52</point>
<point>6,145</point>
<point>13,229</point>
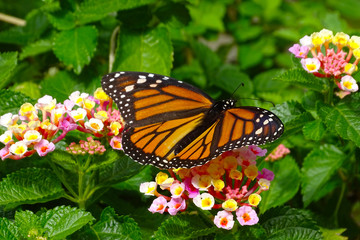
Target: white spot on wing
<point>141,80</point>
<point>129,88</point>
<point>259,131</point>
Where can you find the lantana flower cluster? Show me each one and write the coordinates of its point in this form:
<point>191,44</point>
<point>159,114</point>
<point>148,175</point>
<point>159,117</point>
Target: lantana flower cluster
<point>231,184</point>
<point>278,153</point>
<point>37,128</point>
<point>336,56</point>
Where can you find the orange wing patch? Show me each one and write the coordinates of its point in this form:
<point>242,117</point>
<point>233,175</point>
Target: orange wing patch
<point>160,138</point>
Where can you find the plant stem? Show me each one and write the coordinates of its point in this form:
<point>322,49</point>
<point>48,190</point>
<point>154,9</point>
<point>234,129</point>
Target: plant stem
<point>63,180</point>
<point>330,92</point>
<point>343,187</point>
<point>12,20</point>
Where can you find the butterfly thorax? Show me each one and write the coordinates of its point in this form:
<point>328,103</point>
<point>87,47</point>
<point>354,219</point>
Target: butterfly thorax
<point>222,105</point>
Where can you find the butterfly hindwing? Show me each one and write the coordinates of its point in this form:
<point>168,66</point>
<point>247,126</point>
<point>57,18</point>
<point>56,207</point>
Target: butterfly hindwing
<point>171,124</point>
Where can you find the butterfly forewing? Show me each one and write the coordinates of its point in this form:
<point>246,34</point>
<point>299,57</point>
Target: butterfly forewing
<point>171,124</point>
<point>145,98</point>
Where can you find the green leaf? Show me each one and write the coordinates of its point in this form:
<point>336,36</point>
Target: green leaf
<point>107,159</point>
<point>209,61</point>
<point>8,62</point>
<point>62,19</point>
<point>319,165</point>
<point>293,115</point>
<point>12,101</point>
<point>36,48</point>
<point>284,186</point>
<point>251,54</point>
<point>314,130</point>
<point>8,230</point>
<point>28,88</point>
<point>59,86</point>
<point>93,10</point>
<point>122,169</point>
<point>28,224</point>
<point>29,185</point>
<point>144,50</point>
<point>64,220</point>
<point>208,14</point>
<point>289,223</point>
<point>303,79</point>
<point>64,159</point>
<point>183,227</point>
<point>175,15</point>
<point>333,234</point>
<point>111,226</point>
<point>343,119</point>
<point>76,47</point>
<point>255,232</point>
<point>346,7</point>
<point>230,77</point>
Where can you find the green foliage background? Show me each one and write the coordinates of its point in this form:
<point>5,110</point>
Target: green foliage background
<point>216,45</point>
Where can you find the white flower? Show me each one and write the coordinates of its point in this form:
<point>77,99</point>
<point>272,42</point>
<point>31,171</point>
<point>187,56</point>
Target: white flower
<point>6,137</point>
<point>32,136</point>
<point>94,124</point>
<point>18,148</point>
<point>78,98</point>
<point>205,201</point>
<point>310,65</point>
<point>306,41</point>
<point>46,103</point>
<point>78,114</point>
<point>8,119</point>
<point>348,83</point>
<point>148,188</point>
<point>326,34</point>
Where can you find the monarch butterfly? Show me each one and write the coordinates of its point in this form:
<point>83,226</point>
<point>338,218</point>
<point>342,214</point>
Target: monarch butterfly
<point>172,124</point>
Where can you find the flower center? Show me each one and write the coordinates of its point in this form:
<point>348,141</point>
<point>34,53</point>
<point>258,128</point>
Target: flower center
<point>223,221</point>
<point>44,148</point>
<point>246,217</point>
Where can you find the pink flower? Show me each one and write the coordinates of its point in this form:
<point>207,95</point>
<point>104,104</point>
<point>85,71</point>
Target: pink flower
<point>224,219</point>
<point>158,205</point>
<point>246,154</point>
<point>267,174</point>
<point>5,153</point>
<point>334,63</point>
<point>175,205</point>
<point>44,147</point>
<point>115,143</point>
<point>193,191</point>
<point>67,126</point>
<point>279,152</point>
<point>299,51</point>
<point>257,151</point>
<point>69,105</point>
<point>246,216</point>
<point>177,189</point>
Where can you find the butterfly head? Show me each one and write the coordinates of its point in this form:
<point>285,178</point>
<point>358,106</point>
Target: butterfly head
<point>223,105</point>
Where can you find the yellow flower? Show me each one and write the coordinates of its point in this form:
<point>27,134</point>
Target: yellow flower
<point>236,174</point>
<point>99,94</point>
<point>251,172</point>
<point>354,42</point>
<point>254,199</point>
<point>218,184</point>
<point>229,205</point>
<point>340,39</point>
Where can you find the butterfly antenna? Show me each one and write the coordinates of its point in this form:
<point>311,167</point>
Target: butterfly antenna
<point>240,85</point>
